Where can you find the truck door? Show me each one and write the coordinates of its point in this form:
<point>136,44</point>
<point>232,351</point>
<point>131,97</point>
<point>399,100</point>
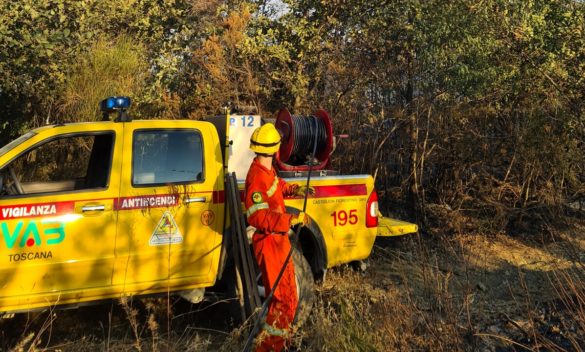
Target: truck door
<point>167,218</point>
<point>57,215</point>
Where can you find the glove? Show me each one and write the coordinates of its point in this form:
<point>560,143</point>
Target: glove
<point>301,219</point>
<point>301,190</point>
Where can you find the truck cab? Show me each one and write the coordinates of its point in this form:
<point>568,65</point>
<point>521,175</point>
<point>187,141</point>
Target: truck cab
<point>95,210</point>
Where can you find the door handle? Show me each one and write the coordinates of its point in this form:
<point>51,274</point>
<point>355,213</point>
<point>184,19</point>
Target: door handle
<point>87,208</point>
<point>195,200</point>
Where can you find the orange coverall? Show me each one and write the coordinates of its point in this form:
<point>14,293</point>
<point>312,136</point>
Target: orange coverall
<point>265,211</point>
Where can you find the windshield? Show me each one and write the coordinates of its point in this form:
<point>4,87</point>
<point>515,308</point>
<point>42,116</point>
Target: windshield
<point>15,143</point>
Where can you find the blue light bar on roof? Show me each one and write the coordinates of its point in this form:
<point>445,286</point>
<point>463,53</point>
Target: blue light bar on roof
<point>112,104</point>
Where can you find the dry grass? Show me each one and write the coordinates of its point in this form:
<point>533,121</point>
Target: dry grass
<point>395,306</point>
<point>463,293</point>
<point>447,296</point>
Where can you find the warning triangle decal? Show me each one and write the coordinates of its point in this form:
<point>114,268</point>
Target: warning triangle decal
<point>166,232</point>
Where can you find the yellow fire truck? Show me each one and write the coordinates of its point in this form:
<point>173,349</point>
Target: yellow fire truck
<point>99,210</point>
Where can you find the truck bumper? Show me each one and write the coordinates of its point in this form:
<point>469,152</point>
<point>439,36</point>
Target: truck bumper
<point>388,227</point>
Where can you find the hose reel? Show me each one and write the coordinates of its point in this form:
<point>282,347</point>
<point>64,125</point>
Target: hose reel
<point>298,136</point>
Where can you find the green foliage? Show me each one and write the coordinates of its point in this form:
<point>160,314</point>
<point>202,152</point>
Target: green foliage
<point>484,100</point>
<point>109,68</point>
<point>43,41</point>
<point>37,40</point>
<point>477,105</point>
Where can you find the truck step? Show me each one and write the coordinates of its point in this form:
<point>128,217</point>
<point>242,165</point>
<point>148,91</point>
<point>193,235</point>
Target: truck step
<point>388,227</point>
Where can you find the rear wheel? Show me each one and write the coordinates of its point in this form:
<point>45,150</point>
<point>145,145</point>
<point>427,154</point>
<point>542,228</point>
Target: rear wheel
<point>304,280</point>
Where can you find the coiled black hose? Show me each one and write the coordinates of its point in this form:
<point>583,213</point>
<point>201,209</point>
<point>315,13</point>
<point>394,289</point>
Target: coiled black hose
<point>304,138</point>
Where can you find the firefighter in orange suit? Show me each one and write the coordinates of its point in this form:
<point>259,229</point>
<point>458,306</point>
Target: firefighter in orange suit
<point>265,211</point>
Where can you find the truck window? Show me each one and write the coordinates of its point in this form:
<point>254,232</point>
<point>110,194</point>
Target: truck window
<point>69,163</point>
<point>166,157</point>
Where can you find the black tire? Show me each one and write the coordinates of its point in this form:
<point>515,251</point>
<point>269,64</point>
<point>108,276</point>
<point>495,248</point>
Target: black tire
<point>305,292</point>
<point>304,280</point>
